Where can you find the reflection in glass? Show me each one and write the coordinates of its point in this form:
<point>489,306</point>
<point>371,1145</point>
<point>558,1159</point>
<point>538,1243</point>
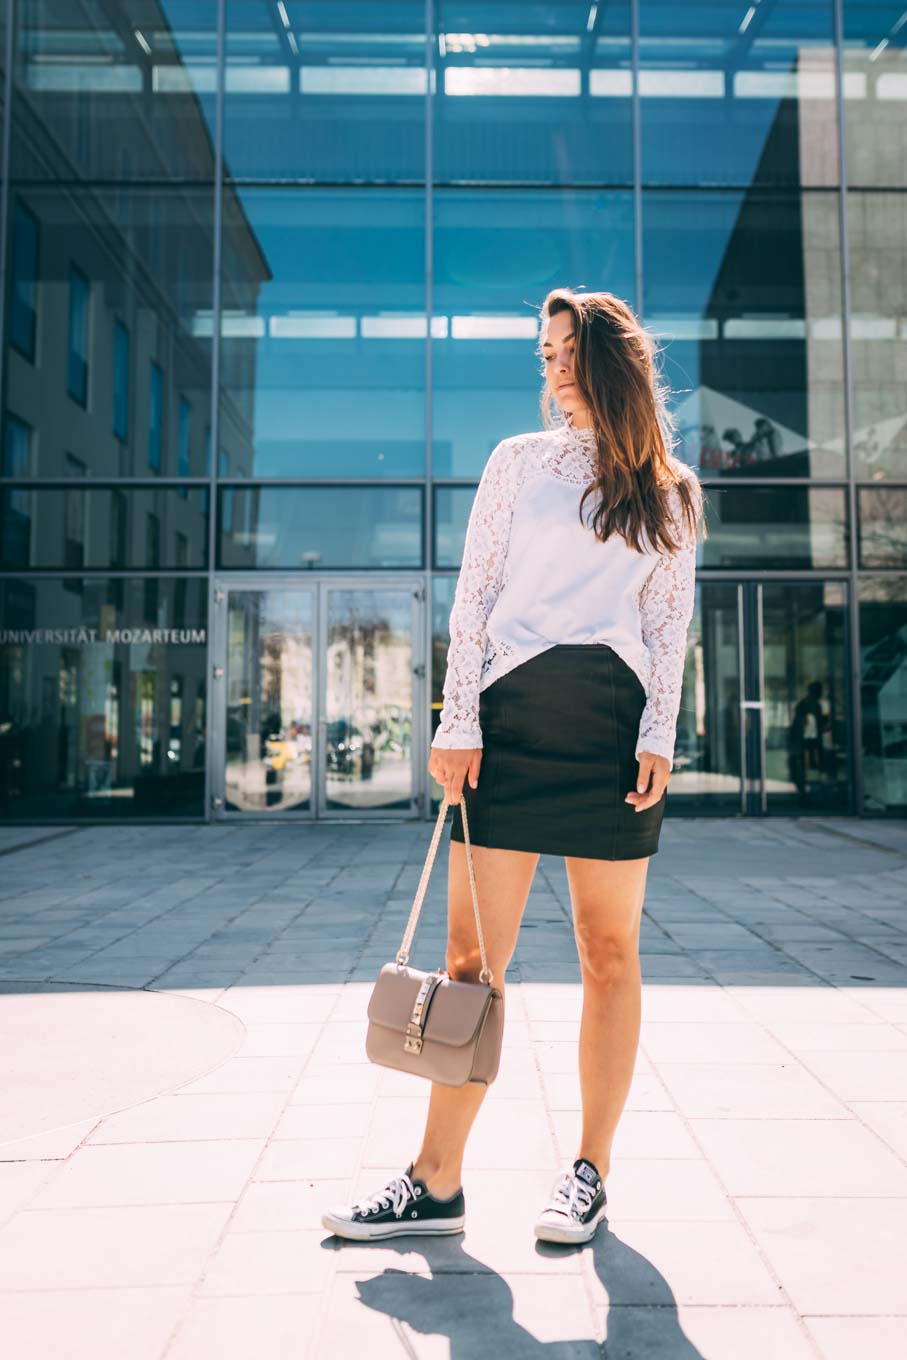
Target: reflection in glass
<point>368,699</point>
<point>883,526</point>
<point>313,527</point>
<point>743,292</point>
<point>330,93</point>
<point>88,726</point>
<point>270,700</point>
<point>737,95</point>
<point>533,93</point>
<point>877,237</point>
<point>120,381</point>
<point>142,259</point>
<point>123,92</point>
<point>883,670</point>
<point>77,355</point>
<point>707,752</point>
<point>787,527</point>
<point>23,316</point>
<point>323,334</point>
<point>71,527</point>
<point>495,257</point>
<point>452,507</point>
<point>873,55</point>
<point>807,759</point>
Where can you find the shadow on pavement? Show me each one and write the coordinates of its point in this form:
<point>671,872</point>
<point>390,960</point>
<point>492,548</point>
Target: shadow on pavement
<point>473,1306</point>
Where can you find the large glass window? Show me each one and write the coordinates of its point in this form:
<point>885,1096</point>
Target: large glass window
<point>66,527</point>
<point>123,92</point>
<point>883,526</point>
<point>145,257</point>
<point>787,528</point>
<point>23,317</point>
<point>533,93</point>
<point>743,292</point>
<point>325,92</point>
<point>883,666</point>
<point>90,727</point>
<point>452,507</point>
<point>308,528</point>
<point>873,57</point>
<point>737,94</point>
<point>877,239</point>
<point>323,333</point>
<point>496,255</point>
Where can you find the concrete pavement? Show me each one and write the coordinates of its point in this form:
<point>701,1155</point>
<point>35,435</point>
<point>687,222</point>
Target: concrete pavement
<point>182,1015</point>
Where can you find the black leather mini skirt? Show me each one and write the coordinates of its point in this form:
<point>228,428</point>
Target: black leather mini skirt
<point>559,733</point>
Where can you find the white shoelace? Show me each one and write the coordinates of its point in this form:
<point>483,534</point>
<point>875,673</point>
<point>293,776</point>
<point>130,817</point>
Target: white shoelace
<point>396,1192</point>
<point>572,1195</point>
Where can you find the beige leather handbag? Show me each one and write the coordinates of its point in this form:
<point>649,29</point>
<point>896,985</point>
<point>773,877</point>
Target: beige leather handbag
<point>431,1024</point>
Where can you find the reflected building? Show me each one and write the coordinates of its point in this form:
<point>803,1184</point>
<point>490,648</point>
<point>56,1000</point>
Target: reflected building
<point>270,298</point>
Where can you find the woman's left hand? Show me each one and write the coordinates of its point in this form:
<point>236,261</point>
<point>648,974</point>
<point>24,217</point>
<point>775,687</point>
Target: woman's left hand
<point>659,768</point>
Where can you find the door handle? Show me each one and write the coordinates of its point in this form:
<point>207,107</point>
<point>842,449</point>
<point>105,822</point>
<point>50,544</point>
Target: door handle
<point>752,703</point>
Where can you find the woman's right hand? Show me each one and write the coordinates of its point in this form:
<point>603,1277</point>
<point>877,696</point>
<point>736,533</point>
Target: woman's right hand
<point>452,767</point>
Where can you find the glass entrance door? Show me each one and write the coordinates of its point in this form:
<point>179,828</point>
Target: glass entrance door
<point>316,688</point>
<point>763,724</point>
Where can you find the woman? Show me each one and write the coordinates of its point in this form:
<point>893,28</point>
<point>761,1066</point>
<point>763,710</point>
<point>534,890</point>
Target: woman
<point>567,644</point>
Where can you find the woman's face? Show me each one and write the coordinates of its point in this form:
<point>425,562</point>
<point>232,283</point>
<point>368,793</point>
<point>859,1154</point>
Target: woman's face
<point>558,344</point>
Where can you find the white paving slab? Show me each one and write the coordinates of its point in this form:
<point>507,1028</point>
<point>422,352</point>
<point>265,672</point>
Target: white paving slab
<point>758,1191</point>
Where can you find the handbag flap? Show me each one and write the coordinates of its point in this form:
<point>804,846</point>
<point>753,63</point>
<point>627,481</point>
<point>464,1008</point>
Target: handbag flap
<point>454,1013</point>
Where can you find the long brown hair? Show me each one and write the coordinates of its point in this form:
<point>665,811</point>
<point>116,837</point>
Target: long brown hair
<point>617,376</point>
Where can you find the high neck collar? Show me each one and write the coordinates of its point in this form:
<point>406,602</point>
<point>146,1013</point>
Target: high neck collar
<point>582,436</point>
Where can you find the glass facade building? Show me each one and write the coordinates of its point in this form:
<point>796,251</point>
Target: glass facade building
<point>269,298</point>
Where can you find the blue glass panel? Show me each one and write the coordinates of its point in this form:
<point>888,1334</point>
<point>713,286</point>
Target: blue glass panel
<point>743,292</point>
<point>738,94</point>
<point>120,381</point>
<point>143,259</point>
<point>185,418</point>
<point>123,91</point>
<point>23,319</point>
<point>496,255</point>
<point>323,333</point>
<point>325,92</point>
<point>875,90</point>
<point>77,352</point>
<point>16,518</point>
<point>155,415</point>
<point>100,527</point>
<point>308,528</point>
<point>537,94</point>
<point>452,507</point>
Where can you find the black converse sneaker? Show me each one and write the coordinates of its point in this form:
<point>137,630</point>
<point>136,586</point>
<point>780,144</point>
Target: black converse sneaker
<point>404,1205</point>
<point>577,1205</point>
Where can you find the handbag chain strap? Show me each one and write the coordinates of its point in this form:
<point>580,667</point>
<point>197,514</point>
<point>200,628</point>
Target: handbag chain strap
<point>406,944</point>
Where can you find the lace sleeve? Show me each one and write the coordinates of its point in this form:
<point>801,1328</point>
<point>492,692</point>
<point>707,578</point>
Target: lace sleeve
<point>484,554</point>
<point>666,607</point>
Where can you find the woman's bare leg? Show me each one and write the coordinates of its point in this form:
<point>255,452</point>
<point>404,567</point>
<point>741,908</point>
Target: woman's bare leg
<point>503,880</point>
<point>607,899</point>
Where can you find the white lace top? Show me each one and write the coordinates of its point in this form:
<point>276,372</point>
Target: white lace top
<point>532,576</point>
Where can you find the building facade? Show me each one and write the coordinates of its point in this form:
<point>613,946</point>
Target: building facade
<point>269,298</point>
